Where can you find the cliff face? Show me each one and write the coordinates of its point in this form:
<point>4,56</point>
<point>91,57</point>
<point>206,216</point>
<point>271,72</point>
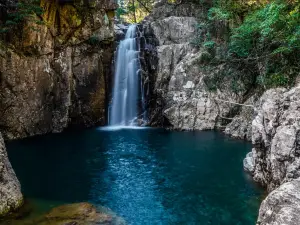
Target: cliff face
<point>274,161</point>
<point>54,75</point>
<point>282,206</point>
<point>181,97</point>
<point>275,138</point>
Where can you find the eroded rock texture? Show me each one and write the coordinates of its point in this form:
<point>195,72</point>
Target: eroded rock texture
<point>275,160</point>
<point>181,97</point>
<point>241,125</point>
<point>10,189</point>
<point>282,206</point>
<point>54,75</point>
<point>275,137</point>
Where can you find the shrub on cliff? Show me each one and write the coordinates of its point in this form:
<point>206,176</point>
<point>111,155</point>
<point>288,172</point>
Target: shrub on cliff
<point>15,14</point>
<point>270,37</point>
<point>262,39</point>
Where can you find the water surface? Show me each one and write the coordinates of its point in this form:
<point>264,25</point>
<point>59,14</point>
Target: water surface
<point>147,176</point>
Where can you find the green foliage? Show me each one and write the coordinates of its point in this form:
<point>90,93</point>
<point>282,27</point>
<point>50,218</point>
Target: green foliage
<point>120,12</point>
<point>270,37</point>
<point>209,44</point>
<point>134,11</point>
<point>24,10</point>
<point>218,14</point>
<point>263,42</point>
<point>93,40</point>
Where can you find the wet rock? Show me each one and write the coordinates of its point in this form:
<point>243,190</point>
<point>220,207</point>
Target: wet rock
<point>120,31</point>
<point>72,214</point>
<point>10,190</point>
<point>81,213</point>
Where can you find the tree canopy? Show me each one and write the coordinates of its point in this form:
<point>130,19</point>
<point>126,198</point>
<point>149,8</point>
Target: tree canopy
<point>134,11</point>
<point>263,36</point>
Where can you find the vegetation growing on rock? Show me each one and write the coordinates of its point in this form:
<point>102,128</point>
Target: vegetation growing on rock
<point>259,38</point>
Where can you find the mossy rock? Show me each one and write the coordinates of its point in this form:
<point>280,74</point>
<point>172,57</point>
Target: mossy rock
<point>73,214</point>
<point>81,214</point>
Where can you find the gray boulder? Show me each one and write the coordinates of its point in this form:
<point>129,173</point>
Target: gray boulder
<point>248,163</point>
<point>282,206</point>
<point>10,190</point>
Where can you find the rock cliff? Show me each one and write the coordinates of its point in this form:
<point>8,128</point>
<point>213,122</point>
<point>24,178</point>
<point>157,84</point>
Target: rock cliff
<point>10,189</point>
<point>275,137</point>
<point>274,161</point>
<point>54,75</point>
<point>181,97</point>
<point>282,206</point>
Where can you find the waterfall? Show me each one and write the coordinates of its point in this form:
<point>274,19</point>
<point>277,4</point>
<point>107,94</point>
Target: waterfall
<point>127,91</point>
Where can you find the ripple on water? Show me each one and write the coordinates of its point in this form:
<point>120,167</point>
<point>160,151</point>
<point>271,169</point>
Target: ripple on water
<point>147,176</point>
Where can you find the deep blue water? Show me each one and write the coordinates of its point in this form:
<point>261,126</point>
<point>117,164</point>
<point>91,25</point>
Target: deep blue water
<point>149,176</point>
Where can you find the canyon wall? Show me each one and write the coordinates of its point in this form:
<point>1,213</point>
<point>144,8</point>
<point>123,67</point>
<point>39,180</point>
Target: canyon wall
<point>53,74</point>
<point>181,97</point>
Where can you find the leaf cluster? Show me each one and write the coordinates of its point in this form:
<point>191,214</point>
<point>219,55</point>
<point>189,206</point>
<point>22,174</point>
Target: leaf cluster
<point>22,11</point>
<point>259,38</point>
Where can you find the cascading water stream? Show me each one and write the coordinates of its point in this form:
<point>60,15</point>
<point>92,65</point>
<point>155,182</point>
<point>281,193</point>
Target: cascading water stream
<point>125,99</point>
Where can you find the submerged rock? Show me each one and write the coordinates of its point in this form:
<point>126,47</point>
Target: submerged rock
<point>73,214</point>
<point>282,206</point>
<point>10,190</point>
<point>80,214</point>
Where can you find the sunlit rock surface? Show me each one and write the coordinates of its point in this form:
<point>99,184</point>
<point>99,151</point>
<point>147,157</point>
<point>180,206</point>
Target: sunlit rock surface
<point>181,98</point>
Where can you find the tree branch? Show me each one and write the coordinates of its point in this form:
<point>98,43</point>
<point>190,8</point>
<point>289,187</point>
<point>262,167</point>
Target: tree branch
<point>148,10</point>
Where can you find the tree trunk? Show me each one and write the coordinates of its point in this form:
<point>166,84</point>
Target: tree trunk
<point>134,13</point>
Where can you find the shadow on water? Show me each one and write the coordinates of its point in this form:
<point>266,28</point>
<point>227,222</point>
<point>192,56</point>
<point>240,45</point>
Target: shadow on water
<point>148,176</point>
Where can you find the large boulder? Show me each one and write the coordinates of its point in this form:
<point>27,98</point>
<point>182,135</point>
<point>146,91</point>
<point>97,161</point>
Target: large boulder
<point>72,214</point>
<point>282,206</point>
<point>10,190</point>
<point>81,214</point>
